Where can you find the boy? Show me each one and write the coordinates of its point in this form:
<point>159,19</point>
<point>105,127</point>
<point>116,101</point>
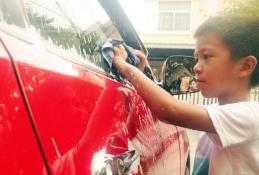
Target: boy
<point>227,52</point>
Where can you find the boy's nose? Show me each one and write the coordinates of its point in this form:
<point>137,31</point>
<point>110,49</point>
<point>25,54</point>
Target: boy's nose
<point>197,68</point>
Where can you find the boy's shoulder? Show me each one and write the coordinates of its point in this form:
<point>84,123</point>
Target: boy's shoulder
<point>245,113</point>
<point>235,105</point>
<point>243,105</point>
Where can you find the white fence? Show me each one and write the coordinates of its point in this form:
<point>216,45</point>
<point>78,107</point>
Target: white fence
<point>197,98</point>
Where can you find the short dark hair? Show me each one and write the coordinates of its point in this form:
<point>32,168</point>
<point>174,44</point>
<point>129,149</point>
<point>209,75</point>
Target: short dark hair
<point>239,33</point>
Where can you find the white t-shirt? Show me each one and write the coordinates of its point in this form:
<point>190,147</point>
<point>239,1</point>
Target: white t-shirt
<point>234,150</point>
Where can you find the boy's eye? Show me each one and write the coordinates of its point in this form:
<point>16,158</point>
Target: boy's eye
<point>206,56</point>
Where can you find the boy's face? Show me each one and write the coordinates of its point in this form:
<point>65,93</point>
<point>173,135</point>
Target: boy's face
<point>216,72</point>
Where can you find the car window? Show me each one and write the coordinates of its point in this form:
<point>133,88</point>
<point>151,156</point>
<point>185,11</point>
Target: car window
<point>10,13</point>
<point>72,27</point>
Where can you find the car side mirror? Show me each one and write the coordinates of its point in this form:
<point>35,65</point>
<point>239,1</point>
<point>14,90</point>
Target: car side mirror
<point>178,75</point>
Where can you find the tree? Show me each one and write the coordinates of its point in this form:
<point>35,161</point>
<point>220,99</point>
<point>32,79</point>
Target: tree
<point>248,7</point>
<point>70,37</point>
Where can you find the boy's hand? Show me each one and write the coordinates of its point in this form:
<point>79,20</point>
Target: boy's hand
<point>120,54</point>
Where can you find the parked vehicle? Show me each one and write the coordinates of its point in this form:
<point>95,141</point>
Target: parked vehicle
<point>61,112</point>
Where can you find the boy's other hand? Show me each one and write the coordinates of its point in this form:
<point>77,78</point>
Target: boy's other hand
<point>142,60</point>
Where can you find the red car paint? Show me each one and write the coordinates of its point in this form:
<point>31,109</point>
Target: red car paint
<point>20,151</point>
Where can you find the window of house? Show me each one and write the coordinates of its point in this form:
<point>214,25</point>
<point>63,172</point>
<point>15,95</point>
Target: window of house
<point>72,28</point>
<point>174,15</point>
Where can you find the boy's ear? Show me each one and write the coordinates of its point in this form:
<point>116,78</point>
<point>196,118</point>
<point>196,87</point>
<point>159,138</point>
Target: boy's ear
<point>248,65</point>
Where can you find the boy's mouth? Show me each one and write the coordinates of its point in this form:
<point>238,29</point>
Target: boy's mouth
<point>200,82</point>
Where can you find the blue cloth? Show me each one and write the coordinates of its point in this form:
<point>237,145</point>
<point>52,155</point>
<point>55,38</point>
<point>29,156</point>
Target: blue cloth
<point>107,52</point>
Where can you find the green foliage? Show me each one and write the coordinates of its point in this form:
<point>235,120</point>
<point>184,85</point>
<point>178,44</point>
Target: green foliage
<point>88,43</point>
<point>248,7</point>
<point>66,38</point>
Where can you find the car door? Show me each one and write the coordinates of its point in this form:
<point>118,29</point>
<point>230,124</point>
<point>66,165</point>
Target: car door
<point>87,121</point>
<point>20,150</point>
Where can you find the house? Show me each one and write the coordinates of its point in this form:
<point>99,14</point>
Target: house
<point>168,27</point>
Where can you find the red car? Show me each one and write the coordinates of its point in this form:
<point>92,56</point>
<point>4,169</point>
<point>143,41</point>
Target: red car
<point>61,112</point>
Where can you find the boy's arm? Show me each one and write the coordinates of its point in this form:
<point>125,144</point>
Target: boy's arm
<point>164,105</point>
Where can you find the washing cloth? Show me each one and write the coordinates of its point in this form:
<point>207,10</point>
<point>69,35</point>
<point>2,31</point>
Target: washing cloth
<point>107,52</point>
